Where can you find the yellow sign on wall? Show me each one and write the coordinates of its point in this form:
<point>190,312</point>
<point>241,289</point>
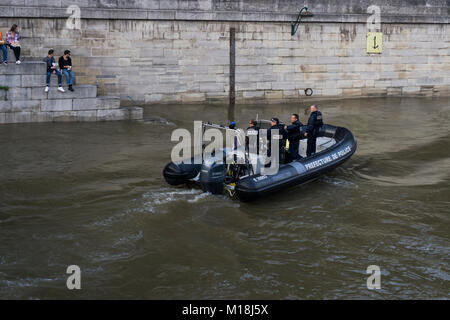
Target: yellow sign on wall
<point>374,42</point>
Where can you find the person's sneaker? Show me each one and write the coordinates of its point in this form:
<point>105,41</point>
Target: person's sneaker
<point>18,62</point>
<point>71,88</point>
<point>5,63</point>
<point>61,89</point>
<point>47,89</point>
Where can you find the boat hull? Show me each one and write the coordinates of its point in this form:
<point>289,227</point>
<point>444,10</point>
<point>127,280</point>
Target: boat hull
<point>303,170</point>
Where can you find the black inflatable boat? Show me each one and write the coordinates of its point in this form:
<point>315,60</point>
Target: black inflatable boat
<point>335,145</point>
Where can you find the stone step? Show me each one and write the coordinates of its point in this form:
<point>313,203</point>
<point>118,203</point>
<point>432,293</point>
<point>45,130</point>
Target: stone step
<point>63,116</point>
<point>28,80</point>
<point>25,68</point>
<point>60,105</point>
<point>126,113</point>
<point>81,92</point>
<point>99,103</point>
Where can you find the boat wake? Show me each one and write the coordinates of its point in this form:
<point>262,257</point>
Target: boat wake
<point>403,174</point>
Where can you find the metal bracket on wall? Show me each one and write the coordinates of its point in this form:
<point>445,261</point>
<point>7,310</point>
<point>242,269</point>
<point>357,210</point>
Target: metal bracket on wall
<point>303,13</point>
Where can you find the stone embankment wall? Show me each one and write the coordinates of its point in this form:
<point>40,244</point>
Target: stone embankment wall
<point>160,51</point>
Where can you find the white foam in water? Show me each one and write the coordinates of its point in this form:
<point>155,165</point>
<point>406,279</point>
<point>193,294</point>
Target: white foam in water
<point>199,197</point>
<point>154,200</point>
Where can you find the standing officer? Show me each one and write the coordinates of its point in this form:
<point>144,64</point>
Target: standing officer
<point>282,136</point>
<point>294,136</point>
<point>252,137</point>
<point>315,122</point>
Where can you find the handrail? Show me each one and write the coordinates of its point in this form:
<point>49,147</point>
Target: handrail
<point>294,25</point>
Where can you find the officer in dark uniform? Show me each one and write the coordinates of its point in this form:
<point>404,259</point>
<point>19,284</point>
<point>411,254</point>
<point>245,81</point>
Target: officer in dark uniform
<point>282,136</point>
<point>315,122</point>
<point>294,136</point>
<point>252,137</point>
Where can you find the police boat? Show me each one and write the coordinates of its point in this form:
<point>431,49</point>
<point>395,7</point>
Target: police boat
<point>243,175</point>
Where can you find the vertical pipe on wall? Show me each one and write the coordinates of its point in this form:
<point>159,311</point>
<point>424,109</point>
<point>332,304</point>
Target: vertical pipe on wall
<point>232,66</point>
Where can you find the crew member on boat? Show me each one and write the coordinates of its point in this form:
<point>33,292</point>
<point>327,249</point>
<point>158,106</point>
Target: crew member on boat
<point>294,136</point>
<point>252,137</point>
<point>281,136</point>
<point>315,122</point>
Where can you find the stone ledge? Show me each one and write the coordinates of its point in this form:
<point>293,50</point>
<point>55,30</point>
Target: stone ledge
<point>25,68</point>
<point>198,15</point>
<point>38,93</point>
<point>98,103</point>
<point>128,113</point>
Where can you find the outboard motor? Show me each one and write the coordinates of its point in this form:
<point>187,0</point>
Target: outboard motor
<point>180,173</point>
<point>212,176</point>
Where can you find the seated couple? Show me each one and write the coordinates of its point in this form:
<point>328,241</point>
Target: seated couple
<point>65,68</point>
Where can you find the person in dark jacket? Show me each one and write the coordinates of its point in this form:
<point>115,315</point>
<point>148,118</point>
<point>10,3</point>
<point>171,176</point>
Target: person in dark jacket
<point>51,69</point>
<point>252,137</point>
<point>65,64</point>
<point>294,136</point>
<point>315,122</point>
<point>281,136</point>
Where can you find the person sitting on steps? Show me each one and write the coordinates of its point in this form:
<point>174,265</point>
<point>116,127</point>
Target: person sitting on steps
<point>3,49</point>
<point>12,40</point>
<point>65,64</point>
<point>51,69</point>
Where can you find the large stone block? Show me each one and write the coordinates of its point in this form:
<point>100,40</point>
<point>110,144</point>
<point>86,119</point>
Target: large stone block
<point>5,106</point>
<point>38,93</point>
<point>85,104</point>
<point>81,92</point>
<point>33,80</point>
<point>108,102</point>
<point>86,115</point>
<point>26,105</point>
<point>193,97</point>
<point>10,80</point>
<point>103,102</point>
<point>42,116</point>
<point>22,117</point>
<point>253,94</point>
<point>155,97</point>
<point>19,94</point>
<point>26,68</point>
<point>15,117</point>
<point>64,116</point>
<point>56,105</point>
<point>112,114</point>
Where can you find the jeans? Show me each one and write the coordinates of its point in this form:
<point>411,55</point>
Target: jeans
<point>16,51</point>
<point>5,52</point>
<point>70,76</point>
<point>49,73</point>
